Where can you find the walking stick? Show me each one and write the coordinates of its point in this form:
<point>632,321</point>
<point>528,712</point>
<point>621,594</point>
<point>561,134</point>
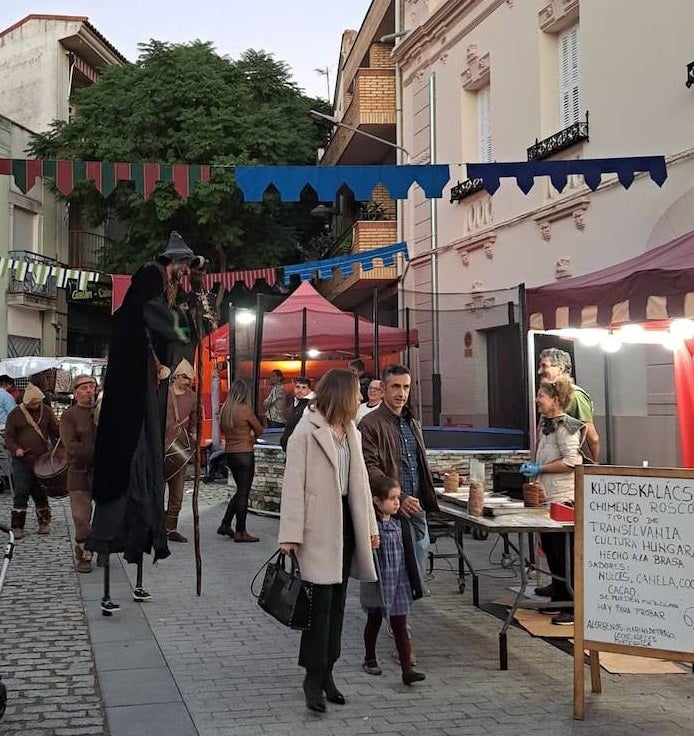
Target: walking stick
<point>203,311</point>
<point>196,476</point>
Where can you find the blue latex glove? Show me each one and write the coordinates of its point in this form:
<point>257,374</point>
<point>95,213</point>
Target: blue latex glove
<point>532,470</point>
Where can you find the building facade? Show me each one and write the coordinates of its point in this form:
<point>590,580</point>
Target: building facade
<point>504,80</point>
<point>44,60</point>
<point>365,105</point>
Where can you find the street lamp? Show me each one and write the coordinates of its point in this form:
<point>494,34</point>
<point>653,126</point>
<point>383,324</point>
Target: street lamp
<point>323,118</point>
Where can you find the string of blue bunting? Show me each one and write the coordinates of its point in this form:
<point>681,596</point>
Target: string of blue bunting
<point>591,169</point>
<point>345,264</point>
<point>326,181</point>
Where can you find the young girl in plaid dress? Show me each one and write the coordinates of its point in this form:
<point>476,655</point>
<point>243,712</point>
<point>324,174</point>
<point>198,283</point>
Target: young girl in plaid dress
<point>398,583</point>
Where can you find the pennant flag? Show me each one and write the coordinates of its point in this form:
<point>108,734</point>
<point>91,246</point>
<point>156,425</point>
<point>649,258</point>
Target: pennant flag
<point>108,178</point>
<point>180,180</point>
<point>64,177</point>
<point>41,272</point>
<point>122,171</point>
<point>94,173</point>
<point>25,172</point>
<point>20,270</point>
<point>137,176</point>
<point>59,273</point>
<point>151,177</point>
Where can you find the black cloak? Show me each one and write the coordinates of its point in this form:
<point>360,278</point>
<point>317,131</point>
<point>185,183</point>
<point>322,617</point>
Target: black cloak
<point>128,487</point>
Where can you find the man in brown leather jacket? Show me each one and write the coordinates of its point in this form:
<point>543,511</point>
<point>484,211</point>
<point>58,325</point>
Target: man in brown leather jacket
<point>393,446</point>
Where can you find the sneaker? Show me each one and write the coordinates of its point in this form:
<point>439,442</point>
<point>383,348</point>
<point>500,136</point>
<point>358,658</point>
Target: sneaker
<point>175,536</point>
<point>545,591</point>
<point>372,668</point>
<point>109,607</point>
<point>565,618</point>
<point>140,595</point>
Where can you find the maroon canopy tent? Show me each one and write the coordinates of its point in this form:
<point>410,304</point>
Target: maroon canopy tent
<point>328,330</point>
<point>655,285</point>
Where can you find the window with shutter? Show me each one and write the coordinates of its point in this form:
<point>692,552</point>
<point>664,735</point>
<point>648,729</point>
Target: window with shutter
<point>484,126</point>
<point>569,77</point>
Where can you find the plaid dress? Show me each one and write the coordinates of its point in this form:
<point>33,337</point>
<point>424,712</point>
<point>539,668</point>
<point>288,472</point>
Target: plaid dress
<point>393,589</point>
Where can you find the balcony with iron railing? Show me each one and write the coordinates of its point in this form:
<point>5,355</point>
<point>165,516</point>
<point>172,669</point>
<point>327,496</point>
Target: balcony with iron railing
<point>559,141</point>
<point>36,289</point>
<point>466,188</point>
<point>87,250</point>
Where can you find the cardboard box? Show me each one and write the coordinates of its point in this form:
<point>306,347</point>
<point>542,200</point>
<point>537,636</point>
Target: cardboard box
<point>561,512</point>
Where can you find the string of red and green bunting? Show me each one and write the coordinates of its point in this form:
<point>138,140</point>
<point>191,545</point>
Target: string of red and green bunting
<point>104,175</point>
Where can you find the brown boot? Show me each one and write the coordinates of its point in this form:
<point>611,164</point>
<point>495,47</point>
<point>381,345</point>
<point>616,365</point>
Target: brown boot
<point>245,537</point>
<point>43,516</point>
<point>83,558</point>
<point>17,523</point>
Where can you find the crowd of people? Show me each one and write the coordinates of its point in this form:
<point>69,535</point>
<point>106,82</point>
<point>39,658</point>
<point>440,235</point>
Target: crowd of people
<point>357,485</point>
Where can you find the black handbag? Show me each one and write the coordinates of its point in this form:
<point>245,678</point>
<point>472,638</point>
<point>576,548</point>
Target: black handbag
<point>284,595</point>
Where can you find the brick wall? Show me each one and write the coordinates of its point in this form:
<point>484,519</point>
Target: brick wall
<point>269,470</point>
<point>379,56</point>
<point>374,95</point>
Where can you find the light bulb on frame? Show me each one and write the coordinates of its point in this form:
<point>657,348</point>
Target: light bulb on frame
<point>590,337</point>
<point>312,353</point>
<point>610,343</point>
<point>682,329</point>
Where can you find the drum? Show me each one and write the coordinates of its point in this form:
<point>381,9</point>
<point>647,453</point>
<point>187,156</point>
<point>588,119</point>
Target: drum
<point>178,453</point>
<point>51,472</point>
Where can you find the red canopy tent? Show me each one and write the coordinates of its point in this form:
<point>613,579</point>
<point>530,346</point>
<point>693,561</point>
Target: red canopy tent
<point>328,330</point>
<point>653,287</point>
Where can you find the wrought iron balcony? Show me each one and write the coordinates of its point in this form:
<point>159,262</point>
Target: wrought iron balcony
<point>87,250</point>
<point>465,188</point>
<point>559,141</point>
<point>30,285</point>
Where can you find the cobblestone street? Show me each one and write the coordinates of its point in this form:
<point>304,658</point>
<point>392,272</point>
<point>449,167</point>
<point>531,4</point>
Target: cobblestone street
<point>216,665</point>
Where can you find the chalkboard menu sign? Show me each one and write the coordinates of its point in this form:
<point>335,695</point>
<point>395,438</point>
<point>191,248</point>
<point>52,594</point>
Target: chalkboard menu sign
<point>634,566</point>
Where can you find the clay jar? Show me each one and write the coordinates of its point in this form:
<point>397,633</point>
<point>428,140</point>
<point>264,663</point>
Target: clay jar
<point>533,494</point>
<point>475,504</point>
<point>451,481</point>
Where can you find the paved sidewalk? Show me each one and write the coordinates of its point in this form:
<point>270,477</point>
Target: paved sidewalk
<point>216,665</point>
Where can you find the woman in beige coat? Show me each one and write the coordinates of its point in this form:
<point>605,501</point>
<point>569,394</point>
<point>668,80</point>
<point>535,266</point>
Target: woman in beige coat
<point>327,519</point>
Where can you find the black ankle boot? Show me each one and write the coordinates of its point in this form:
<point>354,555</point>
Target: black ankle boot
<point>313,692</point>
<point>332,694</point>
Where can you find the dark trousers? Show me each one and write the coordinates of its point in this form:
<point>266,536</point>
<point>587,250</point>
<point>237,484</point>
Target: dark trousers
<point>242,467</point>
<point>321,644</point>
<point>554,547</point>
<point>26,486</point>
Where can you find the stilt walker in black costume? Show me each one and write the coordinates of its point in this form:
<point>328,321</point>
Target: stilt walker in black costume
<point>128,489</point>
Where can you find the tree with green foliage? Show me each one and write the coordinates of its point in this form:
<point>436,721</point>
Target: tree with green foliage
<point>184,103</point>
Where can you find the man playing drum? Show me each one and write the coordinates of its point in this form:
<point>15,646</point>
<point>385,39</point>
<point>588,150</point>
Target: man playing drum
<point>181,428</point>
<point>78,433</point>
<point>30,428</point>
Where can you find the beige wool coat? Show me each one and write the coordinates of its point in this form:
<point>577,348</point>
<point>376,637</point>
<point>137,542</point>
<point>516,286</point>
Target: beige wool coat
<point>311,511</point>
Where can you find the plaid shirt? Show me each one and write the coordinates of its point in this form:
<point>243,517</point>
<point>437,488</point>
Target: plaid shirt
<point>409,455</point>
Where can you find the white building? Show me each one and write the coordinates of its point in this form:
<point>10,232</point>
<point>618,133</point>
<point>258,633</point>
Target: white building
<point>487,80</point>
<point>44,60</point>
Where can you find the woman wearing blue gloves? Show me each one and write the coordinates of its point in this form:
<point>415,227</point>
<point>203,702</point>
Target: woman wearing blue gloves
<point>557,454</point>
